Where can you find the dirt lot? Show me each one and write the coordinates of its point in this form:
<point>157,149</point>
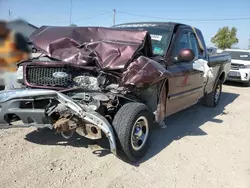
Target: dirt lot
<point>201,147</point>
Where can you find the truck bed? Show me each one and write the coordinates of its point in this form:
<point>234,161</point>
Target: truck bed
<point>214,59</point>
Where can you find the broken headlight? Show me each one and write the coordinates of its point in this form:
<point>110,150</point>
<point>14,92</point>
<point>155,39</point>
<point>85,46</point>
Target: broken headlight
<point>19,74</point>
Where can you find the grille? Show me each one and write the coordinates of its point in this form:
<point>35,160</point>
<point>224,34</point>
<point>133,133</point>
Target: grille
<point>43,76</point>
<point>236,66</point>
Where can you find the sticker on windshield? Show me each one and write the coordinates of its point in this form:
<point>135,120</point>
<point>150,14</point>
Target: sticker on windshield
<point>156,37</point>
<point>243,55</point>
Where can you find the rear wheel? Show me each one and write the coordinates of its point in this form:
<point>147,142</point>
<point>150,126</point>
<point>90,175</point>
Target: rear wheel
<point>132,126</point>
<point>212,99</point>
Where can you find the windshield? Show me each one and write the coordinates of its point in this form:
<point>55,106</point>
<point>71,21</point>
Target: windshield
<point>239,55</point>
<point>160,37</point>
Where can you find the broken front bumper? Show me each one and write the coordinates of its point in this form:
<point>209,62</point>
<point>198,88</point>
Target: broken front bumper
<point>10,100</point>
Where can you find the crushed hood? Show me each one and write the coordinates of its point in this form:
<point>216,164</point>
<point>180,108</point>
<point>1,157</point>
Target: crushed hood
<point>107,48</point>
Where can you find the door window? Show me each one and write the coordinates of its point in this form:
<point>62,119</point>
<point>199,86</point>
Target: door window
<point>182,43</point>
<point>187,40</point>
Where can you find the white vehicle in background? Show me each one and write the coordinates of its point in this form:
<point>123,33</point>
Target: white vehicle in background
<point>240,66</point>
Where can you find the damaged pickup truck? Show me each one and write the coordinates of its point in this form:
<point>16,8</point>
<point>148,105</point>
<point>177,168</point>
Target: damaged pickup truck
<point>113,82</point>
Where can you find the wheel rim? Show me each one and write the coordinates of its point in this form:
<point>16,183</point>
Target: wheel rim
<point>217,93</point>
<point>139,133</point>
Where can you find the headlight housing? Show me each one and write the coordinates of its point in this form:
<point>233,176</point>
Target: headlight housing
<point>244,67</point>
<point>19,74</point>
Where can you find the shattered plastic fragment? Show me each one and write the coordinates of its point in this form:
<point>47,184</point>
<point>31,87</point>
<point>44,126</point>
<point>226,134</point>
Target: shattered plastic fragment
<point>201,65</point>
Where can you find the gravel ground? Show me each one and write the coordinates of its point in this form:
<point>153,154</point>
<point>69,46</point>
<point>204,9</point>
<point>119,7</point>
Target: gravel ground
<point>201,147</point>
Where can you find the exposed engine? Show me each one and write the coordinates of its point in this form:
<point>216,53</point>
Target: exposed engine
<point>66,122</point>
<point>93,90</point>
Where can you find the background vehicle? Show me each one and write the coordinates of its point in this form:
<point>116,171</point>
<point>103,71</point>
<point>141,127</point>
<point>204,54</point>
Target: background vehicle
<point>114,82</point>
<point>240,66</point>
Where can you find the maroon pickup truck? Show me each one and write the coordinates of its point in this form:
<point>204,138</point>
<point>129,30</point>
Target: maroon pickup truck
<point>113,82</point>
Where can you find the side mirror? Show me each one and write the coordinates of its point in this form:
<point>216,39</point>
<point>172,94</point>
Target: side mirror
<point>186,55</point>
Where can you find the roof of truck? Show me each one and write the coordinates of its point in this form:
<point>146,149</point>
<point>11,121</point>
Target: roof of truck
<point>150,23</point>
<point>157,23</point>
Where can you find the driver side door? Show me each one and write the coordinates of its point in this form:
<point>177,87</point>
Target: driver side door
<point>186,85</point>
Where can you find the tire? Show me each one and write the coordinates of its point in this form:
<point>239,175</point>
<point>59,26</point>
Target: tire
<point>212,99</point>
<point>124,123</point>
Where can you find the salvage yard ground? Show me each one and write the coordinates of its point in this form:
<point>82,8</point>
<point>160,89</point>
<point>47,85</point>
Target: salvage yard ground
<point>201,147</point>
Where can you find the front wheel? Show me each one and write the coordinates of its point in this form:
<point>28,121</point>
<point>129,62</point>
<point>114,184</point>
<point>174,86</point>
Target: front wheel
<point>132,126</point>
<point>212,99</point>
